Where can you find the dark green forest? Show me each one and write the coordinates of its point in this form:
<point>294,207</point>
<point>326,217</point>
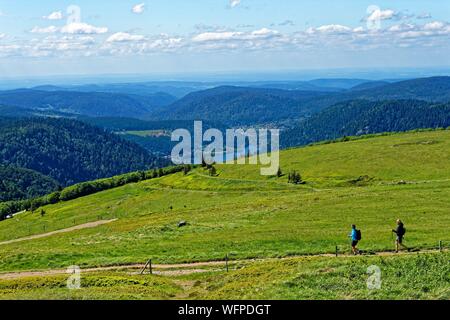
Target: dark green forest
<point>69,151</point>
<point>365,117</point>
<point>18,183</point>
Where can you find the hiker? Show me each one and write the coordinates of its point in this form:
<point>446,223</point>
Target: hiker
<point>355,235</point>
<point>400,232</point>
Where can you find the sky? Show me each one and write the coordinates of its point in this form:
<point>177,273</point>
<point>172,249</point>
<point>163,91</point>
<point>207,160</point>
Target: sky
<point>58,37</point>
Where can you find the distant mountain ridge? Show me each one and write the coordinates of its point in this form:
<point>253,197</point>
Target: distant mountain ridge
<point>239,105</point>
<point>250,106</point>
<point>229,105</point>
<point>94,104</point>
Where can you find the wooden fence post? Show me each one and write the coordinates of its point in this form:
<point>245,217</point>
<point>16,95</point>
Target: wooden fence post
<point>148,264</point>
<point>440,245</point>
<point>337,250</point>
<point>226,261</point>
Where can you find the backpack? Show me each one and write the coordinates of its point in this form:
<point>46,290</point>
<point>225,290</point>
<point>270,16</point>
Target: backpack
<point>402,231</point>
<point>358,235</point>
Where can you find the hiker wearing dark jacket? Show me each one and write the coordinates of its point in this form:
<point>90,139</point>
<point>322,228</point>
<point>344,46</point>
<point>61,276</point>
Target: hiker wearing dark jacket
<point>400,232</point>
<point>354,236</point>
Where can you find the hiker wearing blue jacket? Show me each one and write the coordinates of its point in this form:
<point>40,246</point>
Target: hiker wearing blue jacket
<point>355,235</point>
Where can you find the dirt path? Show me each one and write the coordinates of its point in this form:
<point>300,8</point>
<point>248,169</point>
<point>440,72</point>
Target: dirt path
<point>48,234</point>
<point>188,268</point>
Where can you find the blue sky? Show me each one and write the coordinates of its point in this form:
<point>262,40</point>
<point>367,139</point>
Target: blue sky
<point>182,36</point>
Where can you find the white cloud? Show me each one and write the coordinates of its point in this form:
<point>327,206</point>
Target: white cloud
<point>2,35</point>
<point>57,15</point>
<point>334,28</point>
<point>139,8</point>
<point>216,36</point>
<point>402,27</point>
<point>83,28</point>
<point>124,37</point>
<point>235,35</point>
<point>234,3</point>
<point>74,40</point>
<point>378,15</point>
<point>264,32</point>
<point>436,25</point>
<point>50,29</point>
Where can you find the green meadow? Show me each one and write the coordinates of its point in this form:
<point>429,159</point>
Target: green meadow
<point>370,182</point>
<point>422,276</point>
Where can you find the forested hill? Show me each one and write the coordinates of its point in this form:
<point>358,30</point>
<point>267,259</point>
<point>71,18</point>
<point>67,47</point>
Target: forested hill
<point>18,184</point>
<point>250,106</point>
<point>69,151</point>
<point>93,104</point>
<point>239,105</point>
<point>365,117</point>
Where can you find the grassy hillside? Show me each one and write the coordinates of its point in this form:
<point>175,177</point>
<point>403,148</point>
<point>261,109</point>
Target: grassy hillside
<point>246,215</point>
<point>404,277</point>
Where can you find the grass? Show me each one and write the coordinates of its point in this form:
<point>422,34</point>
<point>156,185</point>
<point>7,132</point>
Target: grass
<point>247,215</point>
<point>424,276</point>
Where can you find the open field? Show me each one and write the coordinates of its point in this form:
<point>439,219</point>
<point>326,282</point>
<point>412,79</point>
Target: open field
<point>245,215</point>
<point>147,133</point>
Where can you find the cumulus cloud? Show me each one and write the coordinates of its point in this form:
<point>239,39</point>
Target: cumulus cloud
<point>264,32</point>
<point>216,36</point>
<point>235,35</point>
<point>78,39</point>
<point>330,29</point>
<point>435,25</point>
<point>83,28</point>
<point>50,29</point>
<point>124,37</point>
<point>402,27</point>
<point>57,15</point>
<point>161,43</point>
<point>234,3</point>
<point>378,15</point>
<point>358,30</point>
<point>139,8</point>
<point>51,45</point>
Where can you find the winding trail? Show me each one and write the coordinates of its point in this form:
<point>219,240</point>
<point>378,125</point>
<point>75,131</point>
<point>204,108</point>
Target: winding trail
<point>48,234</point>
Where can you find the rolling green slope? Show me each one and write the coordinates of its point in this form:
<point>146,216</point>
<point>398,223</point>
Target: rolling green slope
<point>246,215</point>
